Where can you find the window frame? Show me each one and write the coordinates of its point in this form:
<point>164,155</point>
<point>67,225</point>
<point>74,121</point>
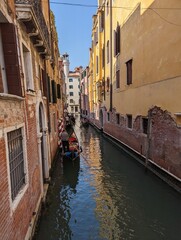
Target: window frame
<point>14,203</point>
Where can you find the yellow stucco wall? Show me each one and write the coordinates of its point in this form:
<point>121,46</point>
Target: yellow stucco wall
<point>154,46</point>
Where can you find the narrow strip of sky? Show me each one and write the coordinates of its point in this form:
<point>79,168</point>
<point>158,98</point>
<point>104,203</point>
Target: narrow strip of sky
<point>74,26</point>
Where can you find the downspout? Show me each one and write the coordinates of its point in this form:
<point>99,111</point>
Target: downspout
<point>111,90</point>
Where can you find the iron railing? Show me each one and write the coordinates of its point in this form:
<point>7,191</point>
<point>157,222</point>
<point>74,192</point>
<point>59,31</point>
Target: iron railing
<point>37,8</point>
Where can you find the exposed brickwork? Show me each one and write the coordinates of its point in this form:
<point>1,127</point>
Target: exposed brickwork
<point>11,227</point>
<point>165,141</point>
<point>165,147</point>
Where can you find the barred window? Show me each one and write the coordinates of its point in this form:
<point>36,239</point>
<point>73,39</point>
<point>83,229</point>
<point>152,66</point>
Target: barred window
<point>16,161</point>
<point>129,121</point>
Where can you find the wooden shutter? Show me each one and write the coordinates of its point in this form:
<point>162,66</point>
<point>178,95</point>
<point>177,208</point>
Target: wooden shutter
<point>54,92</point>
<point>58,91</point>
<point>11,59</point>
<point>45,84</point>
<point>49,89</point>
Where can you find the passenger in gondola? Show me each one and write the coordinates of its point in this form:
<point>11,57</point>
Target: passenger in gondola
<point>65,142</point>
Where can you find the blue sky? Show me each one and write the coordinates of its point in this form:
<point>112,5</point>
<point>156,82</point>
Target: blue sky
<point>74,26</point>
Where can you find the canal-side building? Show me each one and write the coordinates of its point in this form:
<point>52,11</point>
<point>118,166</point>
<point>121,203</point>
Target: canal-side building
<point>140,106</point>
<point>73,91</point>
<point>84,94</point>
<point>30,106</point>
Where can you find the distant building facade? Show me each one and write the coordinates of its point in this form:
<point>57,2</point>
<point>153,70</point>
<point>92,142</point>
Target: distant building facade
<point>73,91</point>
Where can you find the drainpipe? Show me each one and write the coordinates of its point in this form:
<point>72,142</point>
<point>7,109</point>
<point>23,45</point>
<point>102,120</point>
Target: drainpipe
<point>111,90</point>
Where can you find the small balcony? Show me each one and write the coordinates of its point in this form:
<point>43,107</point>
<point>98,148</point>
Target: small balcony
<point>29,12</point>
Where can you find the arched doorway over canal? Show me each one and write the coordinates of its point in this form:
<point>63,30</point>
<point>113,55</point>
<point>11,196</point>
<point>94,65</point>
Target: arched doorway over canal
<point>42,133</point>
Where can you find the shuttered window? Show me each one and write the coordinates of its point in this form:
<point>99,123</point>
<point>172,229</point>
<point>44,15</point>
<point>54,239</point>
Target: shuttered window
<point>54,92</point>
<point>58,91</point>
<point>11,59</point>
<point>49,90</point>
<point>45,84</point>
<point>117,38</point>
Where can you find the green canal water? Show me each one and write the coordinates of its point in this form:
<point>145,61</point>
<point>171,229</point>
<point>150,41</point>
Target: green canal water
<point>108,195</point>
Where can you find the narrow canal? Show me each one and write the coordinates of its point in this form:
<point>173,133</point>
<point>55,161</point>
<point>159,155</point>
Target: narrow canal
<point>108,196</point>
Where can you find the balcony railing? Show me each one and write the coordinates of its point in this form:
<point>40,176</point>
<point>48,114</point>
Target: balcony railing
<point>30,13</point>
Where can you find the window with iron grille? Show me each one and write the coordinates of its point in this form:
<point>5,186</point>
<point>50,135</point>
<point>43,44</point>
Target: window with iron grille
<point>108,116</point>
<point>117,118</point>
<point>16,161</point>
<point>145,125</point>
<point>129,121</point>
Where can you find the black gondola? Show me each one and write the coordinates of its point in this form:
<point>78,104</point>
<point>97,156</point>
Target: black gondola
<point>74,149</point>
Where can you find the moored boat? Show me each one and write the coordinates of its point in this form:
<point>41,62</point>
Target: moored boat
<point>73,151</point>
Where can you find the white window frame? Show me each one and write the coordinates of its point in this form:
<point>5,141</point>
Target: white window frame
<point>27,67</point>
<point>14,203</point>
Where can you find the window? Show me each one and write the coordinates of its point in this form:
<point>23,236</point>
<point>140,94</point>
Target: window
<point>70,86</point>
<point>118,79</point>
<point>129,121</point>
<point>107,7</point>
<point>71,101</point>
<point>54,123</point>
<point>76,109</point>
<point>129,71</point>
<point>103,56</point>
<point>117,118</point>
<point>58,91</point>
<point>70,80</point>
<point>54,91</point>
<point>97,65</point>
<point>28,68</point>
<point>96,37</point>
<point>108,51</point>
<point>108,84</point>
<point>71,93</point>
<point>108,116</point>
<point>145,125</point>
<point>72,109</point>
<point>16,161</point>
<point>9,60</point>
<point>101,21</point>
<point>117,41</point>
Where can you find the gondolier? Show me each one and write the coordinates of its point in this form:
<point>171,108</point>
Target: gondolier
<point>65,142</point>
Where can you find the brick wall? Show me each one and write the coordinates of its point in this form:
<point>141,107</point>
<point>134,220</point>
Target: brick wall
<point>165,147</point>
<point>14,225</point>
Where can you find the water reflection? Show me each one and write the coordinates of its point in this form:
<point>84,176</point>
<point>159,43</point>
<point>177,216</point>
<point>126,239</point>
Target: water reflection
<point>107,195</point>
